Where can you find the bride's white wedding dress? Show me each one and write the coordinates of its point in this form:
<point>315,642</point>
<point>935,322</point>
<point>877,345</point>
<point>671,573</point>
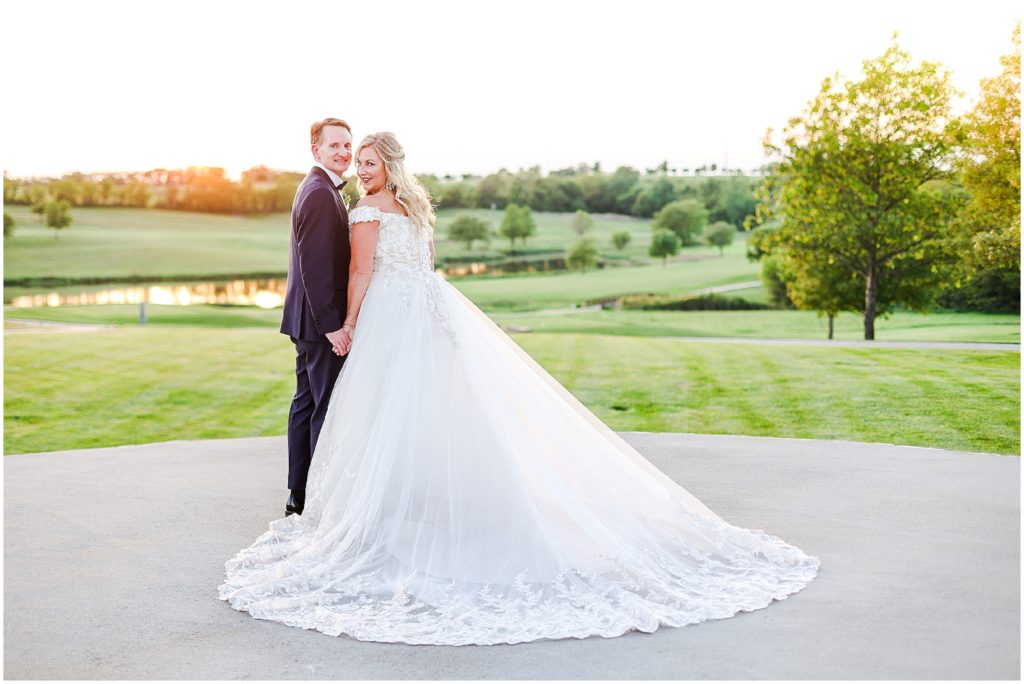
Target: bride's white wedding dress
<point>459,495</point>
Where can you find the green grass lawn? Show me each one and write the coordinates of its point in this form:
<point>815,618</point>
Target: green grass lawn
<point>966,400</point>
<point>554,233</point>
<point>109,243</point>
<point>905,326</point>
<point>155,243</point>
<point>205,315</point>
<point>757,294</point>
<point>700,268</point>
<point>138,385</point>
<point>142,384</point>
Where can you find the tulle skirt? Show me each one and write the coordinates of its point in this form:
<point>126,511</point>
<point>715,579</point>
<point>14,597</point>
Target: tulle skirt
<point>459,495</point>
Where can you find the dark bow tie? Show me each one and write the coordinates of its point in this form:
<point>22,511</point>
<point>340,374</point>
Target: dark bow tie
<point>340,185</point>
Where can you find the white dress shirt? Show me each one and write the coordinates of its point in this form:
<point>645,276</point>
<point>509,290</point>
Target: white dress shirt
<point>335,178</point>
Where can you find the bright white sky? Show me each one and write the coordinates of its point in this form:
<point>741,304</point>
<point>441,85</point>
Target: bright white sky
<point>99,85</point>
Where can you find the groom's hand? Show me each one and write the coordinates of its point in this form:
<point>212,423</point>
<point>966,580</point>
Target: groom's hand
<point>346,346</point>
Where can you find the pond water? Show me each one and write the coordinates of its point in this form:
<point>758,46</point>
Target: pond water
<point>266,293</point>
<point>503,268</point>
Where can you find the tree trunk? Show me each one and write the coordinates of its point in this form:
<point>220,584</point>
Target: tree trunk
<point>870,302</point>
<point>830,319</point>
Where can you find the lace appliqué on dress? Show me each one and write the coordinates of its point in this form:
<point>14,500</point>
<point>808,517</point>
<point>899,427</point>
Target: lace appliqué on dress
<point>674,585</point>
<point>402,260</point>
<point>363,214</point>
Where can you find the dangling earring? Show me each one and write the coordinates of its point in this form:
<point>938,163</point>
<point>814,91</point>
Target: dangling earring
<point>390,186</point>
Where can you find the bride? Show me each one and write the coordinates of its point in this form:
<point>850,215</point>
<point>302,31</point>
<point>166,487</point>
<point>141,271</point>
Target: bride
<point>459,495</point>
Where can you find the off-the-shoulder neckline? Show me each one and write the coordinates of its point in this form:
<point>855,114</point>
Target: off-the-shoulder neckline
<point>389,213</point>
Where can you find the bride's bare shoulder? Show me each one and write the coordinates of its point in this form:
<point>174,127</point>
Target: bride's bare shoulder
<point>383,201</point>
<point>374,201</point>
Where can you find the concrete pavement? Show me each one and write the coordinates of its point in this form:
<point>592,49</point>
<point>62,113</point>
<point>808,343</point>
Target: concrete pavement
<point>112,558</point>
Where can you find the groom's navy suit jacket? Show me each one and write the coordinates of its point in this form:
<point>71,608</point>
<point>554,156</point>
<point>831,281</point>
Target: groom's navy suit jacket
<point>316,299</point>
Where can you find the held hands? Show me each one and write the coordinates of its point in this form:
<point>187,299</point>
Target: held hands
<point>341,340</point>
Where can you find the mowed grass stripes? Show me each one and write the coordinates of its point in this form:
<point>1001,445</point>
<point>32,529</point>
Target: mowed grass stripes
<point>135,385</point>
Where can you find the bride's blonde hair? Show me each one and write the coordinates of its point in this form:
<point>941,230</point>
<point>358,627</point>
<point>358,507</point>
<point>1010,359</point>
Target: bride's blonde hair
<point>409,192</point>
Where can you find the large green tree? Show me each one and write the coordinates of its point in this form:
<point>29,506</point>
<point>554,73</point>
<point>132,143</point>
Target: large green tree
<point>621,238</point>
<point>517,223</point>
<point>686,218</point>
<point>720,234</point>
<point>823,285</point>
<point>582,222</point>
<point>856,186</point>
<point>467,228</point>
<point>664,243</point>
<point>39,200</point>
<point>582,255</point>
<point>990,172</point>
<point>58,216</point>
<point>773,276</point>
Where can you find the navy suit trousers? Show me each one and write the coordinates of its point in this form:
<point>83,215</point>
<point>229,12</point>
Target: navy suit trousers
<point>316,369</point>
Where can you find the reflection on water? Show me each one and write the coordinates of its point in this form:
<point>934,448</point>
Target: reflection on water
<point>466,269</point>
<point>266,294</point>
<point>504,268</point>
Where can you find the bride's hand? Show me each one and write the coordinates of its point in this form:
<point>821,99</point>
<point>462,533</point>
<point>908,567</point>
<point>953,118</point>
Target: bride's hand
<point>344,345</point>
<point>340,340</point>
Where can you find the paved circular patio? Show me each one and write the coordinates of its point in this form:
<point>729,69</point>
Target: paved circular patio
<point>113,557</point>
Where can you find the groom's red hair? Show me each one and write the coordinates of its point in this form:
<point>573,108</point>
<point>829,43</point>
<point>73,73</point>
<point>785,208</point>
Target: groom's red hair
<point>318,128</point>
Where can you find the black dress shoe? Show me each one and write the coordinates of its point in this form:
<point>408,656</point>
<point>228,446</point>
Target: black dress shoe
<point>296,502</point>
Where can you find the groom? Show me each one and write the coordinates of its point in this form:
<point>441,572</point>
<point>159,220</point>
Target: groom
<point>315,302</point>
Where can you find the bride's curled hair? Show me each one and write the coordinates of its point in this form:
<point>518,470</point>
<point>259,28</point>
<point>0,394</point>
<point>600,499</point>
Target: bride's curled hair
<point>409,192</point>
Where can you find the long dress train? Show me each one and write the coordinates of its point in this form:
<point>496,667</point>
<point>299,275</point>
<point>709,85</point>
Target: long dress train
<point>458,494</point>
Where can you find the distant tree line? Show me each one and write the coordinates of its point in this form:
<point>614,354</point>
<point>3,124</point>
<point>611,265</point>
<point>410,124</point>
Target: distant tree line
<point>264,190</point>
<point>587,188</point>
<point>205,189</point>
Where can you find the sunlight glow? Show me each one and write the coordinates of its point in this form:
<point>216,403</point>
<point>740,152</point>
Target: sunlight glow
<point>684,82</point>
